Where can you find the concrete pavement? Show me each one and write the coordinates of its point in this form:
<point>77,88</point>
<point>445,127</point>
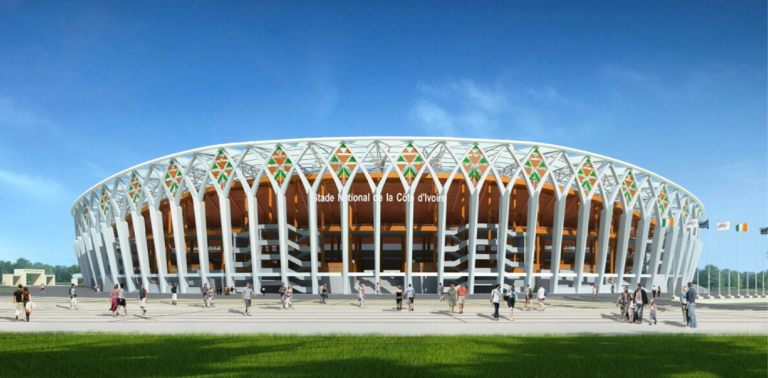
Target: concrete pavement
<point>563,315</point>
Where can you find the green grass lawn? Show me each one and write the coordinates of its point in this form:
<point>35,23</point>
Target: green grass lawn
<point>111,355</point>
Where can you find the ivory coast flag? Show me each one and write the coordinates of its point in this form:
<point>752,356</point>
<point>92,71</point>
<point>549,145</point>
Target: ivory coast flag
<point>741,227</point>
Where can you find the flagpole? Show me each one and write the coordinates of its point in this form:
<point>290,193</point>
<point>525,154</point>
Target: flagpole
<point>709,293</point>
<point>719,282</point>
<point>738,273</point>
<point>729,280</point>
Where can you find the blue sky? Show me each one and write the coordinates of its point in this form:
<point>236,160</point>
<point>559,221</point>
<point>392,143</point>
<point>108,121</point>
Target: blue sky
<point>88,89</point>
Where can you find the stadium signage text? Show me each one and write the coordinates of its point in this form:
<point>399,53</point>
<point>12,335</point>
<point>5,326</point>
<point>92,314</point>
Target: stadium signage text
<point>386,197</point>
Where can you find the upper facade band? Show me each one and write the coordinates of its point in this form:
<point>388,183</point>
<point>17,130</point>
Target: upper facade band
<point>475,159</point>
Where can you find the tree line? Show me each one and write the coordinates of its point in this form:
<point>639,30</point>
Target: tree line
<point>723,278</point>
<point>63,272</point>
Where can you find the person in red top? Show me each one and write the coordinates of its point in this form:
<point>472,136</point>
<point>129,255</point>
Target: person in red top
<point>461,293</point>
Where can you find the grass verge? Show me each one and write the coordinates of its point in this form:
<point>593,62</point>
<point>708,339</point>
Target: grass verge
<point>136,355</point>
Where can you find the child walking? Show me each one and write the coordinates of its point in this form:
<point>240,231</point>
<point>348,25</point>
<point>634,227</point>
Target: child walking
<point>652,321</point>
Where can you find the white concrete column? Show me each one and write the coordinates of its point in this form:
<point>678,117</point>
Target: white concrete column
<point>158,238</point>
<point>88,272</point>
<point>501,234</point>
<point>530,236</point>
<point>125,252</point>
<point>282,232</point>
<point>582,231</point>
<point>254,236</point>
<point>179,244</point>
<point>226,238</point>
<point>81,262</point>
<point>95,246</point>
<point>641,244</point>
<point>344,240</point>
<point>670,249</point>
<point>377,233</point>
<point>557,240</point>
<point>604,239</point>
<point>140,234</point>
<point>201,231</point>
<point>656,246</point>
<point>313,266</point>
<point>442,205</point>
<point>686,260</point>
<point>474,199</point>
<point>409,238</point>
<point>625,226</point>
<point>109,241</point>
<point>690,266</point>
<point>680,249</point>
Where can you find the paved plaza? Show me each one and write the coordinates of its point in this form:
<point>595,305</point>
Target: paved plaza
<point>563,315</point>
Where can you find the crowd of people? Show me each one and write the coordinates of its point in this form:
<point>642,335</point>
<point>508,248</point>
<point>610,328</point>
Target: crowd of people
<point>632,304</point>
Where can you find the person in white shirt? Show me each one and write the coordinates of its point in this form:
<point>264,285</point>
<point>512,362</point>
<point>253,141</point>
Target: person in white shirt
<point>247,296</point>
<point>495,299</point>
<point>410,294</point>
<point>541,294</point>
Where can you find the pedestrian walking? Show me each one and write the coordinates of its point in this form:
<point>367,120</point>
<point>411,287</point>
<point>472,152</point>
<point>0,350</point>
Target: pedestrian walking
<point>399,298</point>
<point>440,292</point>
<point>143,293</point>
<point>42,288</point>
<point>18,299</point>
<point>691,297</point>
<point>684,304</point>
<point>114,301</point>
<point>623,302</point>
<point>641,299</point>
<point>26,298</point>
<point>511,298</point>
<point>282,290</point>
<point>247,296</point>
<point>121,299</point>
<point>410,294</point>
<point>323,294</point>
<point>360,295</point>
<point>528,297</point>
<point>653,291</point>
<point>205,290</point>
<point>541,296</point>
<point>631,313</point>
<point>174,289</point>
<point>452,298</point>
<point>461,294</point>
<point>652,321</point>
<point>594,291</point>
<point>72,297</point>
<point>289,297</point>
<point>495,299</point>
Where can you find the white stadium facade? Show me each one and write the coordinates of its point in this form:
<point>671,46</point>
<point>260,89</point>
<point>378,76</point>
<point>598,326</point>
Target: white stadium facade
<point>387,210</point>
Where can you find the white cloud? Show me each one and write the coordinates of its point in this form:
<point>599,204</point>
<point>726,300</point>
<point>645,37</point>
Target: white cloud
<point>466,108</point>
<point>458,107</point>
<point>433,117</point>
<point>11,115</point>
<point>34,187</point>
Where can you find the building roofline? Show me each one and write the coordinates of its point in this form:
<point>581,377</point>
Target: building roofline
<point>634,167</point>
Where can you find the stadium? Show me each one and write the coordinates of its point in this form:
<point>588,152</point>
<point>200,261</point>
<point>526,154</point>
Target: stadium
<point>387,211</point>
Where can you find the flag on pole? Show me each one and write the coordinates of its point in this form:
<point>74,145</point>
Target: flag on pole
<point>704,224</point>
<point>764,231</point>
<point>691,223</point>
<point>668,222</point>
<point>741,227</point>
<point>724,226</point>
